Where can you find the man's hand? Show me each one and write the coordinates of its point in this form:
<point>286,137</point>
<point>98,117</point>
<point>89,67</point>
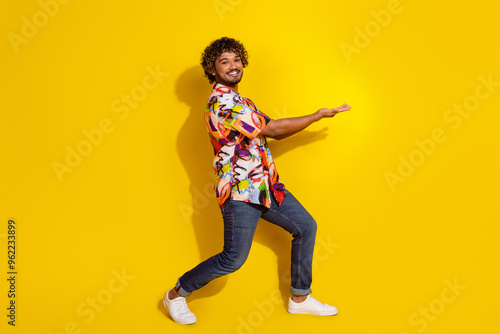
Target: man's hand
<point>325,112</point>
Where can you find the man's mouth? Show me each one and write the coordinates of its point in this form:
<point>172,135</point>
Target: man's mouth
<point>233,73</point>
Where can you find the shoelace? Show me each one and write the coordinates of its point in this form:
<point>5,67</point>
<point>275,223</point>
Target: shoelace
<point>316,302</point>
<point>182,307</point>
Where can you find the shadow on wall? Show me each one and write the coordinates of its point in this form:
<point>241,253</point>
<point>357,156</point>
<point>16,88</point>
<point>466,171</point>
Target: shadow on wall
<point>196,153</point>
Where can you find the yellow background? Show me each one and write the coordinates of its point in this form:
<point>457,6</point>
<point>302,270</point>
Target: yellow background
<point>141,201</point>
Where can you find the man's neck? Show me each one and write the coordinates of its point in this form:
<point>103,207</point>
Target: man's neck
<point>234,88</point>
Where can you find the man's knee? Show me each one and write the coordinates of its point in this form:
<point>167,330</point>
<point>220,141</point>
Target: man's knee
<point>312,226</point>
<point>231,263</point>
<point>308,228</point>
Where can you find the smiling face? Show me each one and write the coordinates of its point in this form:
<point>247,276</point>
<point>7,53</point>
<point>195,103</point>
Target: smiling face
<point>228,69</point>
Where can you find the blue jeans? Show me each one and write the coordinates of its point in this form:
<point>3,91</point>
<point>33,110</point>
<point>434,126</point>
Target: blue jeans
<point>240,222</point>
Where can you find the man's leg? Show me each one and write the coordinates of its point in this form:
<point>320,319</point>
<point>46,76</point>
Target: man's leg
<point>240,221</point>
<point>295,219</point>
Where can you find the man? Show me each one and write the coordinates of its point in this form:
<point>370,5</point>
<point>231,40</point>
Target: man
<point>248,187</point>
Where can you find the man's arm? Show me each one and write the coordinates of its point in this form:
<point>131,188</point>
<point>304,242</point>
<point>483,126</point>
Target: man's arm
<point>285,127</point>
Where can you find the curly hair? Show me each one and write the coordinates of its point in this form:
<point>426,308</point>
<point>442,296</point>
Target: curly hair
<point>215,49</point>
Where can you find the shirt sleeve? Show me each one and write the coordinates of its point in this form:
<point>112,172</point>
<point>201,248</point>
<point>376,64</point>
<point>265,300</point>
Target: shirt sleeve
<point>243,116</point>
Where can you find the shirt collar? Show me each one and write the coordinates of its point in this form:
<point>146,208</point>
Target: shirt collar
<point>224,88</point>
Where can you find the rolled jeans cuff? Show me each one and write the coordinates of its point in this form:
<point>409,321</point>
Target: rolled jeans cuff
<point>181,291</point>
<point>299,292</point>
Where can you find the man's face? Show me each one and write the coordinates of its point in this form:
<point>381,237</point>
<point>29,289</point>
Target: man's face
<point>228,69</point>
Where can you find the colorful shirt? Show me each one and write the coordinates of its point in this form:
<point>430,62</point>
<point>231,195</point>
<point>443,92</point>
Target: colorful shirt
<point>243,162</point>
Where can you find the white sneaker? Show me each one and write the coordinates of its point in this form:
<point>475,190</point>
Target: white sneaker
<point>311,306</point>
<point>179,310</point>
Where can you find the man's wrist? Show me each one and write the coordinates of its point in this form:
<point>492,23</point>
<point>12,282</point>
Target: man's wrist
<point>317,116</point>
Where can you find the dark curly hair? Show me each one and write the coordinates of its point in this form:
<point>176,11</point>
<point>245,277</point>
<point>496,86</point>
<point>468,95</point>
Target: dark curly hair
<point>215,49</point>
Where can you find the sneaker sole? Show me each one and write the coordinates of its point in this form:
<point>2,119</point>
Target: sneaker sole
<point>324,314</point>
